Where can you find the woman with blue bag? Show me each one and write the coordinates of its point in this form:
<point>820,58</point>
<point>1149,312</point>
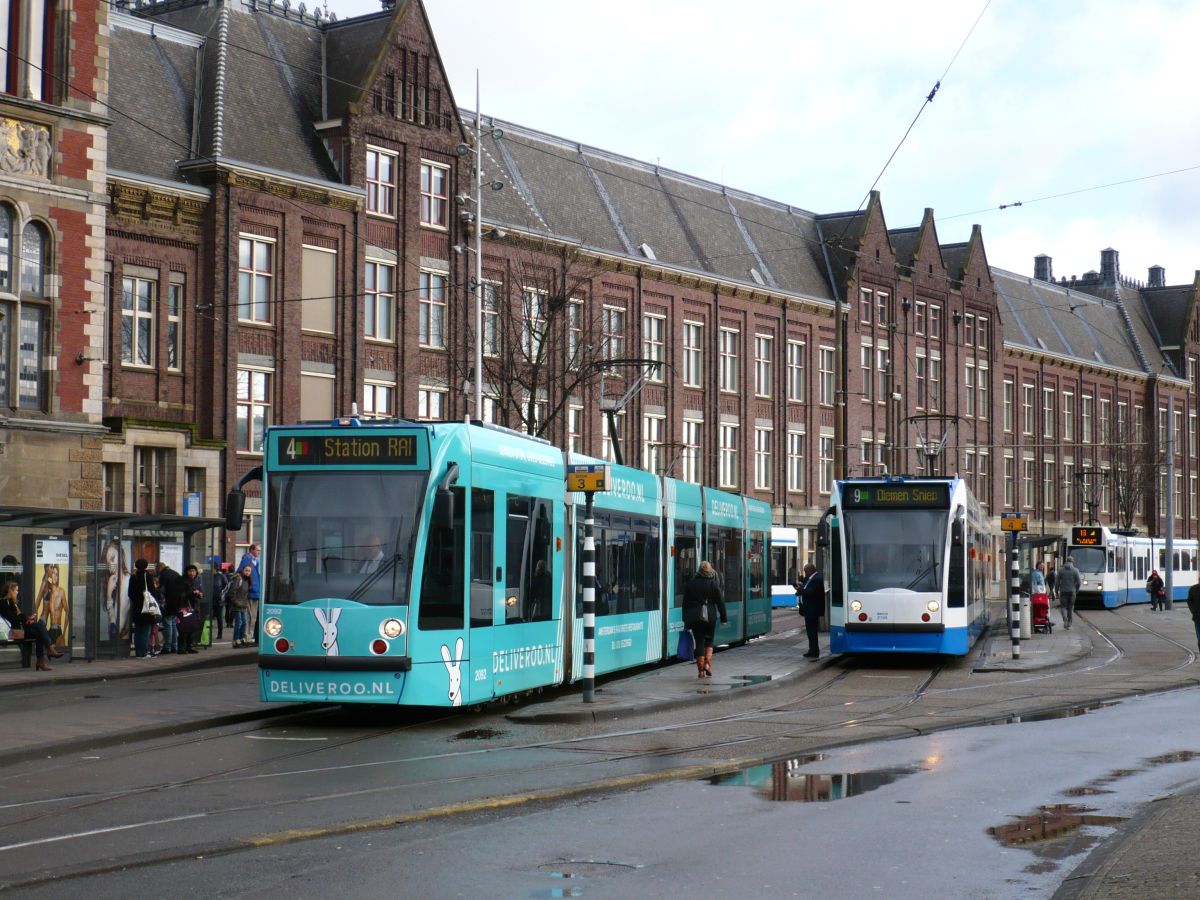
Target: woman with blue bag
<point>703,602</point>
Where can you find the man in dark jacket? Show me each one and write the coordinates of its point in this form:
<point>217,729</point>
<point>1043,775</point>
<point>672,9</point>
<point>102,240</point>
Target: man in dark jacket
<point>175,594</point>
<point>1194,607</point>
<point>812,604</point>
<point>1068,584</point>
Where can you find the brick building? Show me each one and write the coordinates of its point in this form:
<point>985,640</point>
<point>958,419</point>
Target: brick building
<point>284,251</point>
<point>53,144</point>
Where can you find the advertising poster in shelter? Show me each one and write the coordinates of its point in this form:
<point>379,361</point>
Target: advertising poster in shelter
<point>116,556</point>
<point>52,574</point>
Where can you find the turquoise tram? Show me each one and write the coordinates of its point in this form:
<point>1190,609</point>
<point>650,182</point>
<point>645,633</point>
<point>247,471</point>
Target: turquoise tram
<point>906,565</point>
<point>439,564</point>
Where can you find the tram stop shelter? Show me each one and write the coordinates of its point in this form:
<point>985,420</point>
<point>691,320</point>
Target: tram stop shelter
<point>73,567</point>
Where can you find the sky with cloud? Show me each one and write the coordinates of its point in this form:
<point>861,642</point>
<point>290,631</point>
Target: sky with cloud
<point>1075,110</point>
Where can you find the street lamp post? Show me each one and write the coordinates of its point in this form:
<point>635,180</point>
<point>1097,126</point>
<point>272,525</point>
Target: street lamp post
<point>478,254</point>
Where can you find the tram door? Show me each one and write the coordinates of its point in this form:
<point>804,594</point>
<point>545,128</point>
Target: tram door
<point>726,555</point>
<point>486,589</point>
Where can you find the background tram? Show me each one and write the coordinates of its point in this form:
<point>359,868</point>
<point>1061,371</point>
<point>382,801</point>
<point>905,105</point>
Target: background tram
<point>905,565</point>
<point>785,566</point>
<point>1113,567</point>
<point>477,593</point>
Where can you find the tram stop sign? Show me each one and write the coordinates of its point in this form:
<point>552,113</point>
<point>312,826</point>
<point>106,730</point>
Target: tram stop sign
<point>1013,522</point>
<point>587,479</point>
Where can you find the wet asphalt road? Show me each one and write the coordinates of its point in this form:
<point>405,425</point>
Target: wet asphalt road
<point>250,795</point>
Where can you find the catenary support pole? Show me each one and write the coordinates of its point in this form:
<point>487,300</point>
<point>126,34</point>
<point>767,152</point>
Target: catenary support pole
<point>1169,584</point>
<point>589,602</point>
<point>1014,610</point>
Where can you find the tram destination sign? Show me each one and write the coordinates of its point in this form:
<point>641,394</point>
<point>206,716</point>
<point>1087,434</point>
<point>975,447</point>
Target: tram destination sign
<point>346,449</point>
<point>886,495</point>
<point>1089,536</point>
<point>587,478</point>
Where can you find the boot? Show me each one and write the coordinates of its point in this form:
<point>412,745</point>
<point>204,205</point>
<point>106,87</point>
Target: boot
<point>53,652</point>
<point>701,664</point>
<point>42,665</point>
<point>708,664</point>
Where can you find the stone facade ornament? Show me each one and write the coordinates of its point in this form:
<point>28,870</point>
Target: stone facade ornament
<point>24,148</point>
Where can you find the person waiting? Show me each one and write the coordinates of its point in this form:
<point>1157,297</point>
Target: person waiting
<point>10,609</point>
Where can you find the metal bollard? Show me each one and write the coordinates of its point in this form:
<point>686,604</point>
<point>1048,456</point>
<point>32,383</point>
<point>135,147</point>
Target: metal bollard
<point>1014,611</point>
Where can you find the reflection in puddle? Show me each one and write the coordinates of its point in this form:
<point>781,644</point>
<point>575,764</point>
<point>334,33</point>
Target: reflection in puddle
<point>477,734</point>
<point>1050,823</point>
<point>1173,757</point>
<point>1069,713</point>
<point>781,781</point>
<point>752,679</point>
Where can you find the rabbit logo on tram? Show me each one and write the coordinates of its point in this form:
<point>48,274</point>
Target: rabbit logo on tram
<point>906,563</point>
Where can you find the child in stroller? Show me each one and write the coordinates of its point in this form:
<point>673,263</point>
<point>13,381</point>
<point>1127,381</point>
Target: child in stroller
<point>1039,607</point>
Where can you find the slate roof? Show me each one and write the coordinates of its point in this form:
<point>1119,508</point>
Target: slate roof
<point>264,92</point>
<point>629,208</point>
<point>1110,326</point>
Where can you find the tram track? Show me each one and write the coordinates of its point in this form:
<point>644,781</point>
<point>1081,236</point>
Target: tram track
<point>897,703</point>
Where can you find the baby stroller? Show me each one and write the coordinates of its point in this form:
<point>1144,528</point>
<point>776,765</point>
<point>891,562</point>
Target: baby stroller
<point>1039,606</point>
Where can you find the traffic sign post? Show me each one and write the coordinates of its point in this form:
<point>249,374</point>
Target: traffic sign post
<point>1014,524</point>
<point>588,479</point>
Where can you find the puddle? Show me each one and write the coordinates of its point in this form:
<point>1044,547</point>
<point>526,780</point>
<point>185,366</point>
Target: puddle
<point>1087,790</point>
<point>478,734</point>
<point>1050,823</point>
<point>1173,757</point>
<point>559,892</point>
<point>781,781</point>
<point>751,679</point>
<point>1069,713</point>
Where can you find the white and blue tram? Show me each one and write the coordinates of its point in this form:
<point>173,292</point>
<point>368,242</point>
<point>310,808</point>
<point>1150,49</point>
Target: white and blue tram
<point>905,562</point>
<point>785,566</point>
<point>439,563</point>
<point>1113,566</point>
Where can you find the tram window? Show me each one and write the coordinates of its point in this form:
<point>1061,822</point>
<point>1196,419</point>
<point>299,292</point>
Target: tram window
<point>686,562</point>
<point>725,554</point>
<point>758,580</point>
<point>441,604</point>
<point>528,591</point>
<point>955,583</point>
<point>1162,558</point>
<point>483,532</point>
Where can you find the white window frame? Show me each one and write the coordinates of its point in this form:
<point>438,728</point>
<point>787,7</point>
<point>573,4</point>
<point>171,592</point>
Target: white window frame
<point>693,353</point>
<point>249,306</point>
<point>435,206</point>
<point>135,356</point>
<point>690,458</point>
<point>379,399</point>
<point>431,309</point>
<point>176,290</point>
<point>795,461</point>
<point>764,366</point>
<point>613,328</point>
<point>250,403</point>
<point>432,404</point>
<point>728,339</point>
<point>376,300</point>
<point>653,428</point>
<point>727,456</point>
<point>827,390</point>
<point>795,371</point>
<point>654,342</point>
<point>381,192</point>
<point>763,439</point>
<point>825,464</point>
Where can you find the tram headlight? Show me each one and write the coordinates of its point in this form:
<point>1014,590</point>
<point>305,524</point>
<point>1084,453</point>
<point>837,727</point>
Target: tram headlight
<point>855,605</point>
<point>392,628</point>
<point>933,606</point>
<point>273,627</point>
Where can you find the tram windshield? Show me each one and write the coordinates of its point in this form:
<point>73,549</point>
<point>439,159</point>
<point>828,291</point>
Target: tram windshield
<point>1088,559</point>
<point>345,535</point>
<point>895,548</point>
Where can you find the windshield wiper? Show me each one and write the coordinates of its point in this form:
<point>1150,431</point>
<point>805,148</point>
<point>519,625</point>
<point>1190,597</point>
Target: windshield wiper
<point>932,567</point>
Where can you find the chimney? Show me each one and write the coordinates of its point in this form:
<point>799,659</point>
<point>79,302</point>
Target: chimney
<point>1158,276</point>
<point>1043,267</point>
<point>1110,267</point>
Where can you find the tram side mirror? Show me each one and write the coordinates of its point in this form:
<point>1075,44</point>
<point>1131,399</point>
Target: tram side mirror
<point>443,509</point>
<point>823,533</point>
<point>956,533</point>
<point>235,506</point>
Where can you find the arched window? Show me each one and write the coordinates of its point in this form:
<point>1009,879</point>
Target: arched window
<point>33,260</point>
<point>6,230</point>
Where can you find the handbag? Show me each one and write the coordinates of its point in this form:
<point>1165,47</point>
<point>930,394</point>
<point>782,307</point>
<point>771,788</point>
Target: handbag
<point>704,611</point>
<point>16,634</point>
<point>150,607</point>
<point>687,646</point>
<point>189,622</point>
